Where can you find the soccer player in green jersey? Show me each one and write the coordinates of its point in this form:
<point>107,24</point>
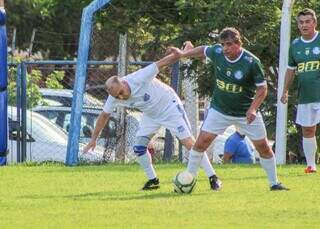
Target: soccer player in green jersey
<point>304,60</point>
<point>239,90</point>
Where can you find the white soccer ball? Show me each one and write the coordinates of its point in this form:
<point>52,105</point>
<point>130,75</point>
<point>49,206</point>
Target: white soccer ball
<point>184,182</point>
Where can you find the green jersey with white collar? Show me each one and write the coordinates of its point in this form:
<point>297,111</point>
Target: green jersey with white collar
<point>304,56</point>
<point>236,81</point>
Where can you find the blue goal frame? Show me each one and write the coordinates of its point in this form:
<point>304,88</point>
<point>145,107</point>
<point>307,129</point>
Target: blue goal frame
<point>80,79</point>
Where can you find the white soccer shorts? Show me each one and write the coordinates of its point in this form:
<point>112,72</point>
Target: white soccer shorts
<point>174,119</point>
<point>308,114</point>
<point>217,123</point>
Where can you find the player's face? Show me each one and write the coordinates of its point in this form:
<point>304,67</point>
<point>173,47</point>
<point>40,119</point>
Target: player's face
<point>119,91</point>
<point>307,26</point>
<point>120,94</point>
<point>231,49</point>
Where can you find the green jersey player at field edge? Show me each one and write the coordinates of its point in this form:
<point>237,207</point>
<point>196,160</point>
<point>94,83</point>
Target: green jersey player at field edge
<point>239,90</point>
<point>304,60</point>
<point>161,107</point>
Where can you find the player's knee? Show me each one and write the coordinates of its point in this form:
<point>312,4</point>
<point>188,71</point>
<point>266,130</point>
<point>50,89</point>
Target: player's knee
<point>265,151</point>
<point>140,146</point>
<point>202,144</point>
<point>188,142</point>
<point>308,132</point>
<point>139,150</point>
<point>266,154</point>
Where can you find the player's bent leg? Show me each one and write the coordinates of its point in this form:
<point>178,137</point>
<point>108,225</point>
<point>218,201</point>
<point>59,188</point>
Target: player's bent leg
<point>309,131</point>
<point>187,142</point>
<point>215,183</point>
<point>197,152</point>
<point>268,163</point>
<point>257,133</point>
<point>263,148</point>
<point>203,141</point>
<point>309,144</point>
<point>144,159</point>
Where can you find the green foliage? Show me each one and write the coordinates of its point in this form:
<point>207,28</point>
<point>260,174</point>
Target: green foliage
<point>12,86</point>
<point>54,79</point>
<point>34,79</point>
<point>33,95</point>
<point>154,25</point>
<point>57,21</point>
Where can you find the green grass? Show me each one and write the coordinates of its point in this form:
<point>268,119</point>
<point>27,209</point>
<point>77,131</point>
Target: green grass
<point>54,196</point>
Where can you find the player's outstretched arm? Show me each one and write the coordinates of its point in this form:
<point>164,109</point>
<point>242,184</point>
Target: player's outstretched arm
<point>1,3</point>
<point>289,77</point>
<point>187,46</point>
<point>167,60</point>
<point>101,122</point>
<point>175,54</point>
<point>188,51</point>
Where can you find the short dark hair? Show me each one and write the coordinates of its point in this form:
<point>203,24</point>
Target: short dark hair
<point>230,33</point>
<point>307,11</point>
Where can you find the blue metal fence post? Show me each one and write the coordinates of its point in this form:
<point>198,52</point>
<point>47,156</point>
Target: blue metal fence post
<point>3,127</point>
<point>81,74</point>
<point>18,110</point>
<point>175,84</point>
<point>23,123</point>
<point>3,90</point>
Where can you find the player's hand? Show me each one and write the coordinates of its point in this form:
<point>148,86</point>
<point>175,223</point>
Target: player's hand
<point>284,98</point>
<point>175,51</point>
<point>187,45</point>
<point>251,115</point>
<point>91,145</point>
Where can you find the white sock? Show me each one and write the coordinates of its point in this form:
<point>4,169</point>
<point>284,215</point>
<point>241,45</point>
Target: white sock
<point>206,165</point>
<point>195,158</point>
<point>145,162</point>
<point>269,165</point>
<point>310,149</point>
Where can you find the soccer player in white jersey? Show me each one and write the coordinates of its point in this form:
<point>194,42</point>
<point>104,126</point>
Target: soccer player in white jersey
<point>304,60</point>
<point>239,90</point>
<point>161,107</point>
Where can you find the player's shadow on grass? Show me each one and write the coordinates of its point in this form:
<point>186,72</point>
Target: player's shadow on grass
<point>112,196</point>
<point>258,177</point>
<point>109,196</point>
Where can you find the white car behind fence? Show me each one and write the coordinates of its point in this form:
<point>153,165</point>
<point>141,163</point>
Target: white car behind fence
<point>44,140</point>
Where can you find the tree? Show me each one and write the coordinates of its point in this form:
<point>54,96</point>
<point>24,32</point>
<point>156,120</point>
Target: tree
<point>57,23</point>
<point>154,25</point>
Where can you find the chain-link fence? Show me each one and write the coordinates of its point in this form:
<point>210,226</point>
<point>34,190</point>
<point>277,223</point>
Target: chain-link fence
<point>46,88</point>
<point>40,99</point>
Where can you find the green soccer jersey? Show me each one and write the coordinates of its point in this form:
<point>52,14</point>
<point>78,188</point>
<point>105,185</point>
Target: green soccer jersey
<point>236,81</point>
<point>305,57</point>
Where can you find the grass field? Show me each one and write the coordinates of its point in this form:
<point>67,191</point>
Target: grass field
<point>54,196</point>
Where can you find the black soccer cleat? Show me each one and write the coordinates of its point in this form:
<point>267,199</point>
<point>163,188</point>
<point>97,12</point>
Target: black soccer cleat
<point>278,187</point>
<point>151,184</point>
<point>215,183</point>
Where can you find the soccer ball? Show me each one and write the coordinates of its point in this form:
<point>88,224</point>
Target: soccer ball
<point>184,182</point>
